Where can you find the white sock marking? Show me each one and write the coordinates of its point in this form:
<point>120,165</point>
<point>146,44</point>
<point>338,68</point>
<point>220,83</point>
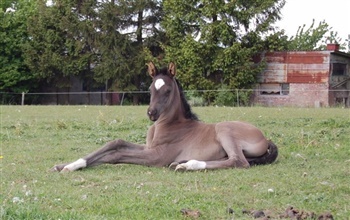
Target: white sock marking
<point>195,165</point>
<point>159,83</point>
<point>81,163</point>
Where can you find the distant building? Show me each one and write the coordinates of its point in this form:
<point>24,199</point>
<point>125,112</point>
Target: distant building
<point>305,79</point>
<point>76,93</point>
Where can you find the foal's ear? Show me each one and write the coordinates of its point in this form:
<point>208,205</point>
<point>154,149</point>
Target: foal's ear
<point>172,69</point>
<point>152,69</point>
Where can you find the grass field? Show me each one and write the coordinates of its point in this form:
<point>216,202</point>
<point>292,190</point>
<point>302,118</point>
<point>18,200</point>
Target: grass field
<point>312,172</point>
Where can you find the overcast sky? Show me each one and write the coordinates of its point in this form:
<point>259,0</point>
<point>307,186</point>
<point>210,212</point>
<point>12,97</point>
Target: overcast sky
<point>336,13</point>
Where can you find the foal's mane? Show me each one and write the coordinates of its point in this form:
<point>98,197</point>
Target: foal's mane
<point>188,111</point>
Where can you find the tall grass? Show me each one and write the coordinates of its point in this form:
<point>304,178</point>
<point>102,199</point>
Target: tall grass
<point>312,172</point>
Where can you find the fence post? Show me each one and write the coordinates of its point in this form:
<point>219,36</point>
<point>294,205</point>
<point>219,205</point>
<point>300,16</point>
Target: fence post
<point>22,98</point>
<point>237,97</point>
<point>121,103</point>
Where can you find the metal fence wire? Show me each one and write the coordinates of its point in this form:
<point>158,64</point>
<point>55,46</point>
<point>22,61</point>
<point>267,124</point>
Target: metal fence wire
<point>227,97</point>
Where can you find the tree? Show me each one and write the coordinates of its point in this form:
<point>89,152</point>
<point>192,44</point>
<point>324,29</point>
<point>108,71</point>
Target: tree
<point>127,33</point>
<point>15,76</point>
<point>214,41</point>
<point>101,42</point>
<point>5,5</point>
<point>314,37</point>
<point>62,37</point>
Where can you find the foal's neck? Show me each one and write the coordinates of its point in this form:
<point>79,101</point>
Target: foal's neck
<point>180,109</point>
<point>187,111</point>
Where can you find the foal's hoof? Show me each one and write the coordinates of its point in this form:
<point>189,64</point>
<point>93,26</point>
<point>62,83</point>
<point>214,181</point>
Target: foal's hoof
<point>178,166</point>
<point>54,169</point>
<point>181,168</point>
<point>173,165</point>
<point>57,168</point>
<point>65,170</point>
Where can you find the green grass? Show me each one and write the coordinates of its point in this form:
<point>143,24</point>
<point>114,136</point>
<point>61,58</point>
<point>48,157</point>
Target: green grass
<point>312,172</point>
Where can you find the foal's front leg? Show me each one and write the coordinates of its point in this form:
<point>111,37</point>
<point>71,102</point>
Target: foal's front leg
<point>113,152</point>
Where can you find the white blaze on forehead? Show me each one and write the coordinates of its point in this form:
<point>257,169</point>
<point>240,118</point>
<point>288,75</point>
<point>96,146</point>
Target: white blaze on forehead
<point>159,83</point>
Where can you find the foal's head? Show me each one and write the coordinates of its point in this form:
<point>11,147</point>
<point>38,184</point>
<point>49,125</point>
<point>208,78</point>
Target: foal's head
<point>167,98</point>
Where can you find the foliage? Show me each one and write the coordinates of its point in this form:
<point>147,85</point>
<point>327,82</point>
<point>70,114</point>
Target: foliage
<point>311,173</point>
<point>62,41</point>
<point>15,76</point>
<point>314,37</point>
<point>99,42</point>
<point>213,42</point>
<point>122,39</point>
<point>194,99</point>
<point>276,41</point>
<point>106,44</point>
<point>225,97</point>
<point>6,4</point>
<point>229,97</point>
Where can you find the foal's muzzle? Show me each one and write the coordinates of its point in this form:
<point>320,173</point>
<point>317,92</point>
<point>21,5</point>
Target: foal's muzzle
<point>152,114</point>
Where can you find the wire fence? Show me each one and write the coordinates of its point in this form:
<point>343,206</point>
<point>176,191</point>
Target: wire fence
<point>237,97</point>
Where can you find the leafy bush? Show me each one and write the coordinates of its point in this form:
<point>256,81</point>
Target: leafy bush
<point>194,99</point>
<point>229,97</point>
<point>225,97</point>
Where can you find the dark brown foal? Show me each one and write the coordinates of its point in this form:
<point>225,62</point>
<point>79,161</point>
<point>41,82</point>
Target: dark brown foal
<point>178,139</point>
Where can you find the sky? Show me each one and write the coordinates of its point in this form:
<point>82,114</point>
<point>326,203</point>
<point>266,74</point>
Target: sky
<point>336,14</point>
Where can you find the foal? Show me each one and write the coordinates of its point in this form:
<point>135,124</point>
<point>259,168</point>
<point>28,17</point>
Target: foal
<point>178,140</point>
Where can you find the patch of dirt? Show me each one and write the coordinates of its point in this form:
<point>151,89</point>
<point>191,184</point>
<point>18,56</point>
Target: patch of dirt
<point>289,213</point>
<point>190,213</point>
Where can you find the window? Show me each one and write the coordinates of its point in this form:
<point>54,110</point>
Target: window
<point>285,89</point>
<point>274,89</point>
<point>338,69</point>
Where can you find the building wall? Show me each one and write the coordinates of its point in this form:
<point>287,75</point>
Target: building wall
<point>78,96</point>
<point>304,73</point>
<point>300,95</point>
<point>296,67</point>
<point>72,95</point>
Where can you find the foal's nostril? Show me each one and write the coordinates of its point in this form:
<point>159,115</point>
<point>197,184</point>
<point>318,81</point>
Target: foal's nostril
<point>151,112</point>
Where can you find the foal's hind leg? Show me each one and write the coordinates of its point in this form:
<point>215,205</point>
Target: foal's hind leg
<point>111,153</point>
<point>233,149</point>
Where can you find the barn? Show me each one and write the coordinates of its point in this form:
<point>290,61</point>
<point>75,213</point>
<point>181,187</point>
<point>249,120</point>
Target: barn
<point>305,79</point>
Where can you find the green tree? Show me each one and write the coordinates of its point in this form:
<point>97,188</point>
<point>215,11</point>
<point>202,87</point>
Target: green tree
<point>213,41</point>
<point>6,4</point>
<point>102,42</point>
<point>313,37</point>
<point>15,76</point>
<point>128,34</point>
<point>62,37</point>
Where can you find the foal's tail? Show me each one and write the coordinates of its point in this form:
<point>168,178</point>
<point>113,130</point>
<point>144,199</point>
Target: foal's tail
<point>269,157</point>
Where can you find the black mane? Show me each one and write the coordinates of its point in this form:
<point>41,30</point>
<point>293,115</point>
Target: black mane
<point>188,111</point>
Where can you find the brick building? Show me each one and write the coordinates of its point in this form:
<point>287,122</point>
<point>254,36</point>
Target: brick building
<point>305,79</point>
